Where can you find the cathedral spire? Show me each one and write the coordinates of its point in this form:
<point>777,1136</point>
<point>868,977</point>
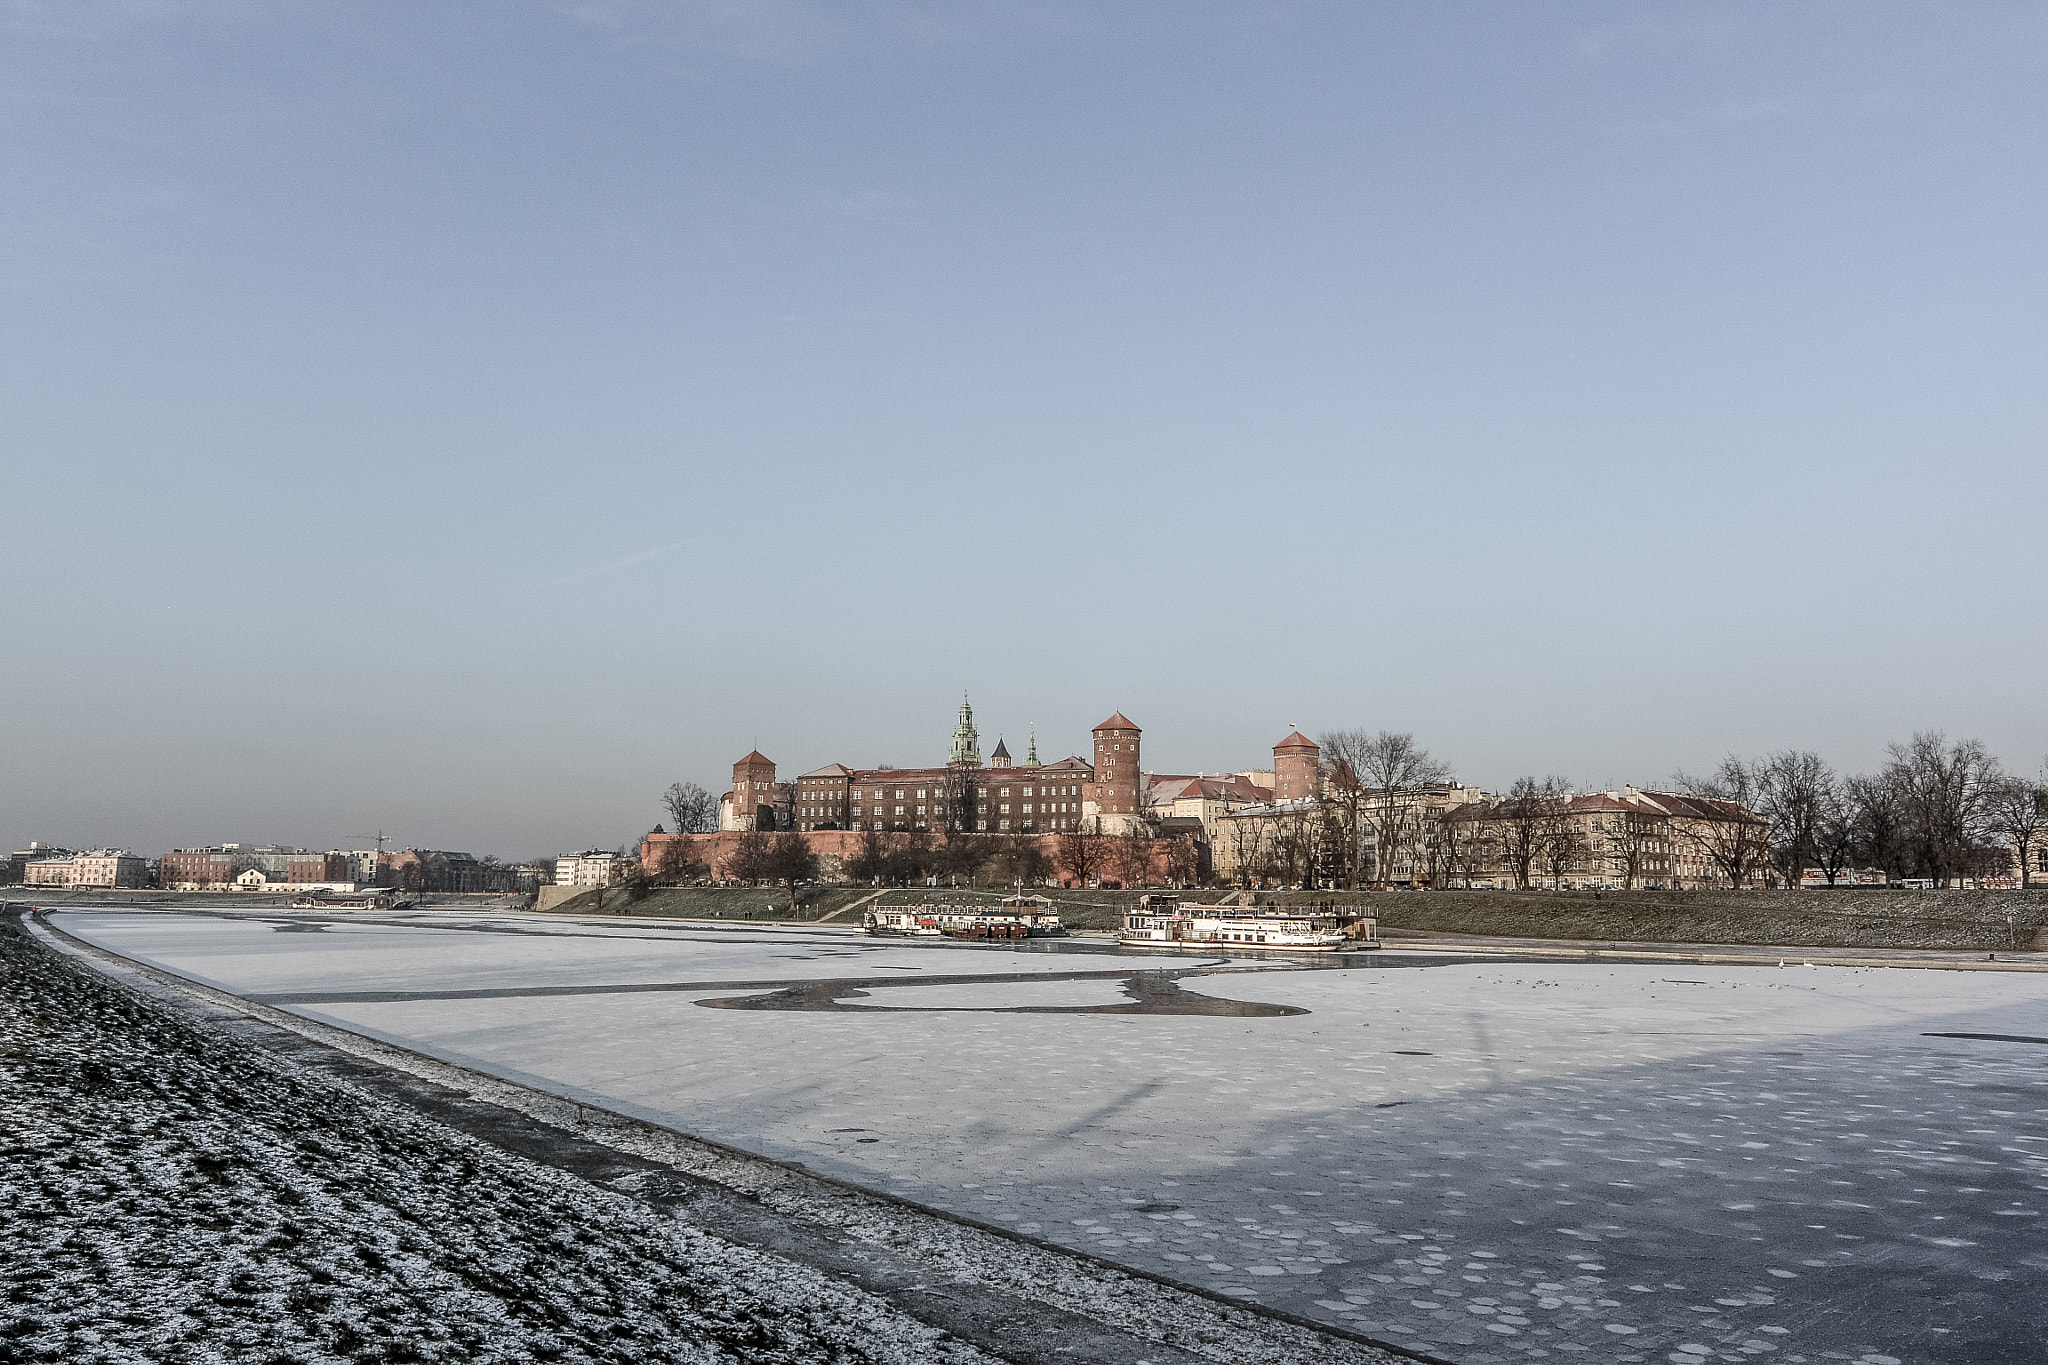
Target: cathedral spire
<point>966,743</point>
<point>1031,754</point>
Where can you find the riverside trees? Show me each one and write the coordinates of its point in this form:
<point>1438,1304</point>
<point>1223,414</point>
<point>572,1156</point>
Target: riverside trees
<point>1937,810</point>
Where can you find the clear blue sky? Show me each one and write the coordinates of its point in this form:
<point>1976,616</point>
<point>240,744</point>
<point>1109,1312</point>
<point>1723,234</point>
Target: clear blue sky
<point>465,419</point>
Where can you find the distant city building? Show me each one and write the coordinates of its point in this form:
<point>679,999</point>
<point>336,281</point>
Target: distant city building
<point>100,867</point>
<point>196,869</point>
<point>1321,827</point>
<point>1173,798</point>
<point>14,866</point>
<point>439,871</point>
<point>1625,839</point>
<point>358,865</point>
<point>594,867</point>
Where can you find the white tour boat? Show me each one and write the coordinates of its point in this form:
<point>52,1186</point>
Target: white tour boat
<point>1161,922</point>
<point>1014,917</point>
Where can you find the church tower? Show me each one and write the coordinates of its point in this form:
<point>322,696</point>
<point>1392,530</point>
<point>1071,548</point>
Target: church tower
<point>966,743</point>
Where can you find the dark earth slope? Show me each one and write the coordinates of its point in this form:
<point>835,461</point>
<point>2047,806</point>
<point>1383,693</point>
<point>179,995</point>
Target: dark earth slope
<point>167,1196</point>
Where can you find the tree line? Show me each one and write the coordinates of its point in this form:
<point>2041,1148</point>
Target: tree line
<point>1937,810</point>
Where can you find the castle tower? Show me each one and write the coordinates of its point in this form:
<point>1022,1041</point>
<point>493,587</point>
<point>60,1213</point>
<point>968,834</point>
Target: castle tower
<point>966,743</point>
<point>753,785</point>
<point>1001,757</point>
<point>1031,754</point>
<point>1116,774</point>
<point>1296,761</point>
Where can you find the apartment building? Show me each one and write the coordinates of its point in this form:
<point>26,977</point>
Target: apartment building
<point>99,867</point>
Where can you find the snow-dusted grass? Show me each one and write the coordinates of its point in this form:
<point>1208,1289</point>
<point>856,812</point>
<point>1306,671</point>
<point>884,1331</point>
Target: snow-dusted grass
<point>165,1196</point>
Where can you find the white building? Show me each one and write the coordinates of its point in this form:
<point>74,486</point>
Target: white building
<point>101,867</point>
<point>593,867</point>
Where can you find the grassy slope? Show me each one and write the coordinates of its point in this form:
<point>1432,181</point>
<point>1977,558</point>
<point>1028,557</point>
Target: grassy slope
<point>1964,920</point>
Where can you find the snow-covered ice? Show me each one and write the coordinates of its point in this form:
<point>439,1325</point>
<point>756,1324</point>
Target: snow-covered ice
<point>1495,1161</point>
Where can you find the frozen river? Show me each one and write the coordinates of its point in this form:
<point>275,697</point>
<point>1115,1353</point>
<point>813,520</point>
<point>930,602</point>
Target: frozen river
<point>1486,1161</point>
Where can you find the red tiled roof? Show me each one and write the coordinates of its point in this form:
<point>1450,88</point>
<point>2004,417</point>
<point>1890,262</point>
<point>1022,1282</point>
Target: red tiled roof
<point>1119,721</point>
<point>1297,740</point>
<point>756,757</point>
<point>1163,788</point>
<point>937,776</point>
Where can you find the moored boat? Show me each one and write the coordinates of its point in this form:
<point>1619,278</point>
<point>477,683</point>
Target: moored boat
<point>1015,917</point>
<point>347,900</point>
<point>1163,922</point>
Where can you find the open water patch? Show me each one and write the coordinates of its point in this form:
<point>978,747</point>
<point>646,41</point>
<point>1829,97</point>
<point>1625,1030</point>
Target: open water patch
<point>1146,992</point>
<point>1989,1037</point>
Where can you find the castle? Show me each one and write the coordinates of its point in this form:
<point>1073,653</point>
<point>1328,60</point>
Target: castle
<point>1112,794</point>
<point>964,796</point>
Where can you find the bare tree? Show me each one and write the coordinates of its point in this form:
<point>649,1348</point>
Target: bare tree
<point>691,809</point>
<point>1390,771</point>
<point>870,860</point>
<point>1446,845</point>
<point>1518,820</point>
<point>1131,856</point>
<point>957,792</point>
<point>1631,837</point>
<point>676,858</point>
<point>1296,843</point>
<point>1246,836</point>
<point>751,857</point>
<point>911,857</point>
<point>1834,833</point>
<point>1183,861</point>
<point>1947,795</point>
<point>1561,839</point>
<point>1020,860</point>
<point>1792,789</point>
<point>963,855</point>
<point>1721,824</point>
<point>792,861</point>
<point>2017,810</point>
<point>1339,816</point>
<point>1078,855</point>
<point>1877,810</point>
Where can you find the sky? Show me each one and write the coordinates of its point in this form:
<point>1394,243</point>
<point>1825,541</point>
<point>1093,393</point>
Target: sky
<point>463,420</point>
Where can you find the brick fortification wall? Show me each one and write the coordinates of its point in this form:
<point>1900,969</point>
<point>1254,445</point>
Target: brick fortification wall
<point>837,847</point>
